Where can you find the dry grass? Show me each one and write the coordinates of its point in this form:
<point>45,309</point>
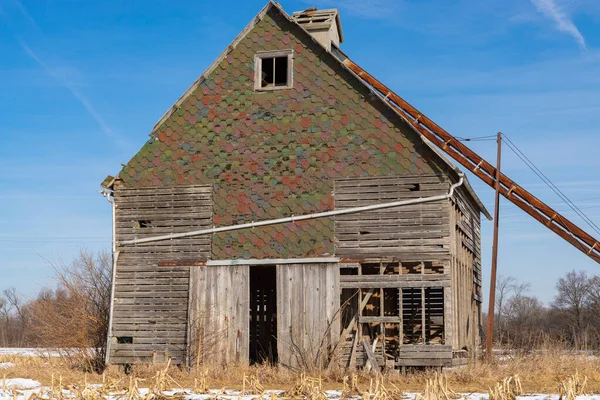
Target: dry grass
<point>572,387</point>
<point>542,373</point>
<point>508,389</point>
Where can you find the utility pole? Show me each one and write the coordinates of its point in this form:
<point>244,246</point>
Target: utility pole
<point>489,336</point>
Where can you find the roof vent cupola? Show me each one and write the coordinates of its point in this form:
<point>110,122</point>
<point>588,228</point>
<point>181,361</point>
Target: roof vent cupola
<point>323,25</point>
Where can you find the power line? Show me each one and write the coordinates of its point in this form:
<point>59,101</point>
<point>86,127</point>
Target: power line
<point>550,184</point>
<point>477,139</point>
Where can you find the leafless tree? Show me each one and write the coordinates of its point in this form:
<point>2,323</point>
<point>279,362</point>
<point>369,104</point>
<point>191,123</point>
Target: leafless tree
<point>13,326</point>
<point>76,314</point>
<point>506,288</point>
<point>573,299</point>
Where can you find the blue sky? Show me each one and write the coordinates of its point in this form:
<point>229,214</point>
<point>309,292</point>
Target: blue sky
<point>83,82</point>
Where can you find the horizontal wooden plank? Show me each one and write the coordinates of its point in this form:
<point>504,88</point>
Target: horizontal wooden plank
<point>163,203</point>
<point>153,315</point>
<point>425,362</point>
<point>178,223</point>
<point>141,333</point>
<point>378,319</point>
<point>156,294</point>
<point>413,178</point>
<point>152,268</point>
<point>395,278</point>
<point>149,281</point>
<point>142,360</point>
<point>154,303</point>
<point>380,195</point>
<point>425,348</point>
<point>392,284</point>
<point>126,215</point>
<point>122,191</point>
<point>177,341</point>
<point>173,327</point>
<point>149,307</point>
<point>145,288</point>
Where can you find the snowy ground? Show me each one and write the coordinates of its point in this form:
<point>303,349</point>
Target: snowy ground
<point>32,352</point>
<point>23,389</point>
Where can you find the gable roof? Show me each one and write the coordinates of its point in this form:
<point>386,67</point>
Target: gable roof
<point>337,55</point>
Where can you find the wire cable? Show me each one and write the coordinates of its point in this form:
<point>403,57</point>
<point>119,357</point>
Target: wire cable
<point>511,145</point>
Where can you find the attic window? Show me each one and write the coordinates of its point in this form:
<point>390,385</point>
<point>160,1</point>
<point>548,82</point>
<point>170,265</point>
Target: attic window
<point>273,70</point>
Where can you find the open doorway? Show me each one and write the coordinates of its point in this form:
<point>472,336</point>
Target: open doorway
<point>263,314</point>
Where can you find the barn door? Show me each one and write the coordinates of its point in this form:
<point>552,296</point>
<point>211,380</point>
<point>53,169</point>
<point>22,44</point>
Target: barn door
<point>308,302</point>
<point>218,319</point>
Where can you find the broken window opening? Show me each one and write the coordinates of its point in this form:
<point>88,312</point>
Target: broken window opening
<point>412,267</point>
<point>373,306</point>
<point>433,268</point>
<point>412,317</point>
<point>434,316</point>
<point>267,72</point>
<point>273,70</point>
<point>281,71</point>
<point>391,298</point>
<point>370,269</point>
<point>125,339</point>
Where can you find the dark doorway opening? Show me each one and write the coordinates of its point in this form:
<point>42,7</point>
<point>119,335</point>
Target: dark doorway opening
<point>263,314</point>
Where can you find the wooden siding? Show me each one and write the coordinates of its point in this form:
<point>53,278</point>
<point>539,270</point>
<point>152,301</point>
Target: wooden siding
<point>416,232</point>
<point>383,315</point>
<point>158,211</point>
<point>150,307</point>
<point>219,314</point>
<point>151,299</point>
<point>308,303</point>
<point>466,272</point>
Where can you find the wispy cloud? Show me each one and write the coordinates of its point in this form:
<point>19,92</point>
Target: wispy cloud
<point>85,102</point>
<point>554,10</point>
<point>64,79</point>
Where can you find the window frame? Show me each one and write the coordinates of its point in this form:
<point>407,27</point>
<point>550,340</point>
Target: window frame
<point>261,55</point>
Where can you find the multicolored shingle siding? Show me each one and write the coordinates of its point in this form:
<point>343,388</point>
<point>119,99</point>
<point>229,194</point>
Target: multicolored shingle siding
<point>275,154</point>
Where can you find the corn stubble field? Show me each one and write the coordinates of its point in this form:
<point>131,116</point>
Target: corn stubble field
<point>544,375</point>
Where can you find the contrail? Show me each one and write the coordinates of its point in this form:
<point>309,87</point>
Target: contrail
<point>85,102</point>
<point>82,98</point>
<point>551,9</point>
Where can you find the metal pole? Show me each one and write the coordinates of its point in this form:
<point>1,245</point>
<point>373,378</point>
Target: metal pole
<point>489,336</point>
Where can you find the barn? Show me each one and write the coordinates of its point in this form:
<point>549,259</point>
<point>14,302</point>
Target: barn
<point>281,211</point>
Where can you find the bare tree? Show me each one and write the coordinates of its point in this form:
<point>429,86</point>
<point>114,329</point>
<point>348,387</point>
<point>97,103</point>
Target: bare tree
<point>76,314</point>
<point>573,298</point>
<point>525,314</point>
<point>506,288</point>
<point>13,310</point>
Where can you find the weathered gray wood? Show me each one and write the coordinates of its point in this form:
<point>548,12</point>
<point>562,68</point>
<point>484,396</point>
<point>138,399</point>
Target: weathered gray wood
<point>378,319</point>
<point>410,232</point>
<point>307,312</point>
<point>163,211</point>
<point>151,302</point>
<point>219,314</point>
<point>370,355</point>
<point>393,284</point>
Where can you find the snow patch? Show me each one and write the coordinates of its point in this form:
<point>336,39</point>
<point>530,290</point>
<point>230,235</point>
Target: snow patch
<point>19,383</point>
<point>6,365</point>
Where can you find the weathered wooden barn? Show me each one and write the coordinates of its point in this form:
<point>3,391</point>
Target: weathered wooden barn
<point>277,127</point>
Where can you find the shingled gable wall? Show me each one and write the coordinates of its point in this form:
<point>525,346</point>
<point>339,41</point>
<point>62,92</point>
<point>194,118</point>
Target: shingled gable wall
<point>229,155</point>
<point>274,154</point>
